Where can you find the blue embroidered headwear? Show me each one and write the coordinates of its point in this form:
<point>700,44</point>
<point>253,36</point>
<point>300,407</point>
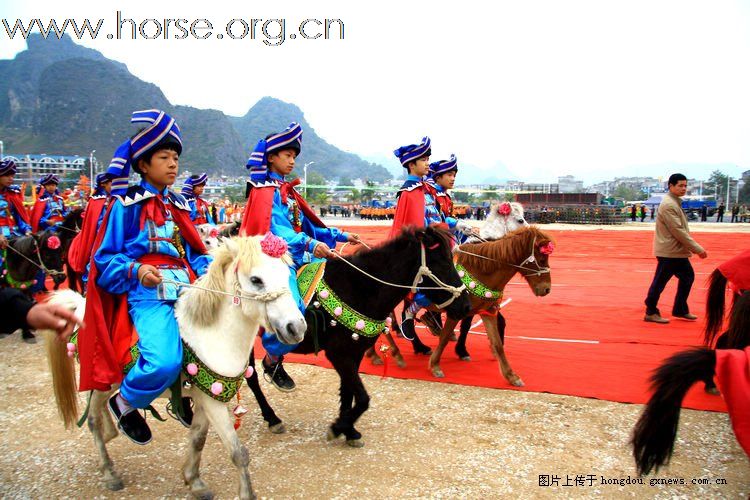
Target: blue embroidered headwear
<point>291,138</point>
<point>49,179</point>
<point>413,151</point>
<point>100,180</point>
<point>443,166</point>
<point>7,167</point>
<point>192,181</point>
<point>160,130</point>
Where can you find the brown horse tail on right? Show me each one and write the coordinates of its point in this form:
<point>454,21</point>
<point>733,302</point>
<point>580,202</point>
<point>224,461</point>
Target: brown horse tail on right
<point>655,432</point>
<point>714,306</point>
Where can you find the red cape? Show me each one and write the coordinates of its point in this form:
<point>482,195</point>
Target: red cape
<point>80,249</point>
<point>38,210</point>
<point>104,345</point>
<point>445,203</point>
<point>737,270</point>
<point>257,217</point>
<point>409,210</point>
<point>733,378</point>
<point>16,200</point>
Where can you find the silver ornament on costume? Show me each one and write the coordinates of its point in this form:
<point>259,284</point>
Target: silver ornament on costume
<point>333,322</point>
<point>355,336</point>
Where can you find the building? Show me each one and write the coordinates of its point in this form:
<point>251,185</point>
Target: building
<point>32,166</point>
<point>569,184</point>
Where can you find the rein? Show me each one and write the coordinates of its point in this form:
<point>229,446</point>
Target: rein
<point>531,259</point>
<point>423,271</point>
<point>40,265</point>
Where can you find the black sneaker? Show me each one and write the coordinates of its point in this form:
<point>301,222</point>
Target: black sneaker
<point>28,337</point>
<point>133,425</point>
<point>277,375</point>
<point>186,418</point>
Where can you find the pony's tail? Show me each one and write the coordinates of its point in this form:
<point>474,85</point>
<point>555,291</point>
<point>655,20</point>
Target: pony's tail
<point>738,332</point>
<point>714,307</point>
<point>61,366</point>
<point>63,379</point>
<point>655,432</point>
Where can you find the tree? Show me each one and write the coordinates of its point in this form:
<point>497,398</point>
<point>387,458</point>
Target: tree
<point>461,196</point>
<point>745,192</point>
<point>716,185</point>
<point>627,193</point>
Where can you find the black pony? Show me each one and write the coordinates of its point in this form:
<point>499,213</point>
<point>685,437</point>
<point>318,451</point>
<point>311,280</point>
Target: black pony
<point>26,257</point>
<point>655,432</point>
<point>397,261</point>
<point>67,230</point>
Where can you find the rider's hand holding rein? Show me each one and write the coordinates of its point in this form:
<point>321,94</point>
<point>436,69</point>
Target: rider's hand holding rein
<point>149,276</point>
<point>3,242</point>
<point>353,238</point>
<point>323,251</point>
<point>55,317</point>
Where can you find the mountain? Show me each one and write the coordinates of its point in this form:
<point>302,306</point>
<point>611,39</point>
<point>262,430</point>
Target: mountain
<point>272,115</point>
<point>57,97</point>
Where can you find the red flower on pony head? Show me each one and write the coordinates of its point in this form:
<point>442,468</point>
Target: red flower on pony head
<point>504,209</point>
<point>547,248</point>
<point>53,243</point>
<point>214,233</point>
<point>273,246</point>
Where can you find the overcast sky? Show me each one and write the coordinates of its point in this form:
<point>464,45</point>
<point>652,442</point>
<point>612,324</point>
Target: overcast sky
<point>522,89</point>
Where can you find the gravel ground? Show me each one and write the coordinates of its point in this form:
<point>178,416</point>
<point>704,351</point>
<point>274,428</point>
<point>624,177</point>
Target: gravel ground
<point>423,439</point>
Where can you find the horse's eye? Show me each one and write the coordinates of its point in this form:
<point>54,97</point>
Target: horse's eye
<point>256,281</point>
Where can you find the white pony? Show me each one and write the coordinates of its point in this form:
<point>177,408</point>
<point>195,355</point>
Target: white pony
<point>220,328</point>
<point>209,235</point>
<point>503,218</point>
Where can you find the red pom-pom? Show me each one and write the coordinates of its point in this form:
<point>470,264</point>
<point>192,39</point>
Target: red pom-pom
<point>273,246</point>
<point>547,248</point>
<point>504,209</point>
<point>53,243</point>
<point>214,233</point>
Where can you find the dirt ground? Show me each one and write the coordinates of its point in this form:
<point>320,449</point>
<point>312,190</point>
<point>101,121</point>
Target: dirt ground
<point>422,439</point>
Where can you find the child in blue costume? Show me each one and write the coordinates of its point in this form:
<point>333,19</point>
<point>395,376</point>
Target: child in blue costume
<point>274,205</point>
<point>147,236</point>
<point>200,210</point>
<point>13,219</point>
<point>50,209</point>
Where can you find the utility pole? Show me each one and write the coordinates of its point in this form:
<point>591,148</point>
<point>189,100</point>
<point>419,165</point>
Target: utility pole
<point>728,181</point>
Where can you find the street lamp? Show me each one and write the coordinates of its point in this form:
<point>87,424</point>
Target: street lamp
<point>91,167</point>
<point>304,169</point>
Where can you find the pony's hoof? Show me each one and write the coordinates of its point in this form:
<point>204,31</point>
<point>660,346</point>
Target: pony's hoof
<point>453,338</point>
<point>400,362</point>
<point>279,428</point>
<point>713,391</point>
<point>355,443</point>
<point>437,372</point>
<point>466,358</point>
<point>376,361</point>
<point>202,494</point>
<point>423,350</point>
<point>517,382</point>
<point>114,484</point>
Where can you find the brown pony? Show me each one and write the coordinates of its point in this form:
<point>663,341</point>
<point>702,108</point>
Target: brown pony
<point>492,265</point>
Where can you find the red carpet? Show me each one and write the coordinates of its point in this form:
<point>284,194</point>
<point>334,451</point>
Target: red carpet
<point>587,338</point>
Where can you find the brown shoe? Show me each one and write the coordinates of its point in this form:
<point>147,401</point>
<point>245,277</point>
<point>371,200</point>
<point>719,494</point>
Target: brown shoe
<point>655,318</point>
<point>688,316</point>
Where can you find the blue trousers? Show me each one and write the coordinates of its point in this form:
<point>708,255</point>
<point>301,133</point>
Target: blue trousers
<point>271,344</point>
<point>161,352</point>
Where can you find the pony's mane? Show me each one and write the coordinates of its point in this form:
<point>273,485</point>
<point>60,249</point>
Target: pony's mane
<point>511,248</point>
<point>409,235</point>
<point>203,305</point>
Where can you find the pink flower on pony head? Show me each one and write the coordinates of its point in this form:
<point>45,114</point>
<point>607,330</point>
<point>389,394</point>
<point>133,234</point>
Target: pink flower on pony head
<point>273,246</point>
<point>53,243</point>
<point>504,209</point>
<point>214,233</point>
<point>547,248</point>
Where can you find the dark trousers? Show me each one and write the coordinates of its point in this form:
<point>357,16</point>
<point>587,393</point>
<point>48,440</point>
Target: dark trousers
<point>665,269</point>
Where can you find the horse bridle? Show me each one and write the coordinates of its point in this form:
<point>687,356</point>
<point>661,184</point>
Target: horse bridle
<point>423,271</point>
<point>40,265</point>
<point>531,259</point>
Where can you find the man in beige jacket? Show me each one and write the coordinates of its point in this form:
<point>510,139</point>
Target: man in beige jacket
<point>673,247</point>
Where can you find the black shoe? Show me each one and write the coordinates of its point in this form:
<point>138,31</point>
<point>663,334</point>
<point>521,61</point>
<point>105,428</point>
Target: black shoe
<point>186,418</point>
<point>28,337</point>
<point>133,425</point>
<point>433,321</point>
<point>407,329</point>
<point>277,375</point>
